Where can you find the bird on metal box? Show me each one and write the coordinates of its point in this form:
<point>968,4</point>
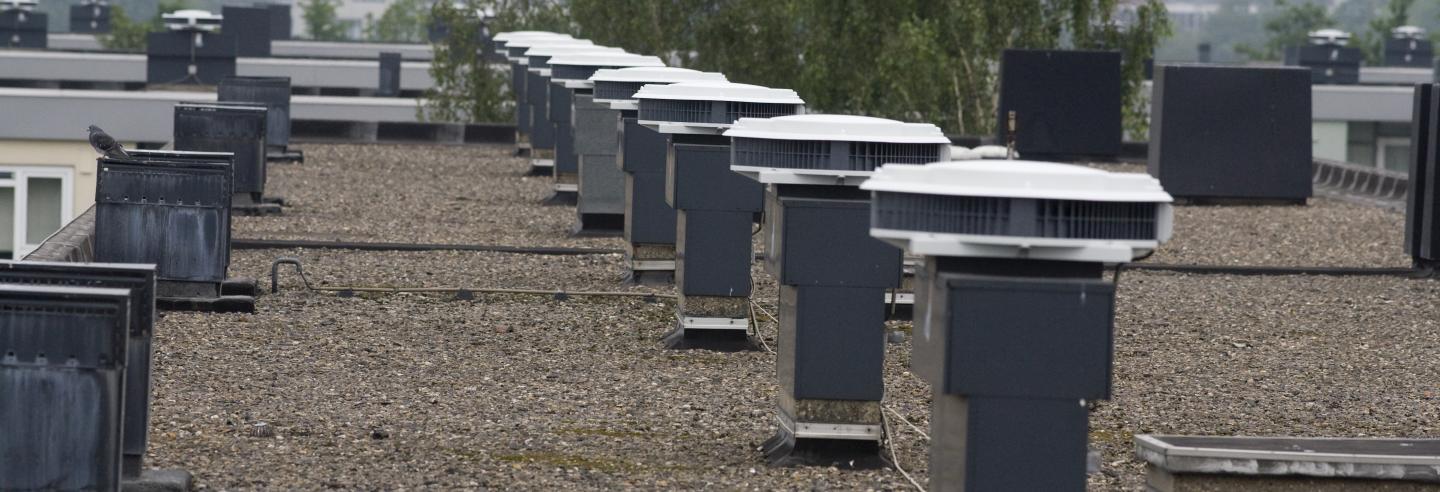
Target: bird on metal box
<point>104,144</point>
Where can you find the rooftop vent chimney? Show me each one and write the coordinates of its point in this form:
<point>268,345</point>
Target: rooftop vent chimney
<point>191,51</point>
<point>90,17</point>
<point>1052,119</point>
<point>234,128</point>
<point>539,131</point>
<point>1018,325</point>
<point>1329,59</point>
<point>21,26</point>
<point>1409,47</point>
<point>274,93</point>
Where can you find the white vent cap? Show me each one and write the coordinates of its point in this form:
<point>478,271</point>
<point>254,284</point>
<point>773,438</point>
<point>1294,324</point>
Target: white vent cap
<point>508,35</point>
<point>655,75</point>
<point>1017,179</point>
<point>530,42</point>
<point>836,127</point>
<point>26,5</point>
<point>1330,36</point>
<point>719,91</point>
<point>553,50</point>
<point>192,19</point>
<point>1408,32</point>
<point>606,60</point>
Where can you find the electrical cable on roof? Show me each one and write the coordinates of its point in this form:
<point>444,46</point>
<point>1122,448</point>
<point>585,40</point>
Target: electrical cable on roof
<point>558,294</point>
<point>895,460</point>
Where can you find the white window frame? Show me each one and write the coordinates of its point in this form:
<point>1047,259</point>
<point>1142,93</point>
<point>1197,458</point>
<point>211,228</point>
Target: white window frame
<point>1382,142</point>
<point>20,182</point>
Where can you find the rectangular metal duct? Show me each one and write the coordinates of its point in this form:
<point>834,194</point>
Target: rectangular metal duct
<point>1328,64</point>
<point>704,181</point>
<point>558,113</point>
<point>518,84</point>
<point>596,137</point>
<point>280,22</point>
<point>24,29</point>
<point>90,18</point>
<point>1054,118</point>
<point>389,75</point>
<point>251,28</point>
<point>542,130</point>
<point>189,57</point>
<point>167,209</point>
<point>234,128</point>
<point>1419,53</point>
<point>273,92</point>
<point>62,363</point>
<point>140,281</point>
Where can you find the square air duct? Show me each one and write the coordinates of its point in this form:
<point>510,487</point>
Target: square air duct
<point>190,51</point>
<point>90,18</point>
<point>22,27</point>
<point>274,93</point>
<point>1408,46</point>
<point>536,113</point>
<point>236,129</point>
<point>1328,57</point>
<point>251,28</point>
<point>1066,103</point>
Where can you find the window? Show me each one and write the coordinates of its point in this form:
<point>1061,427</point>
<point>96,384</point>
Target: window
<point>1392,153</point>
<point>34,203</point>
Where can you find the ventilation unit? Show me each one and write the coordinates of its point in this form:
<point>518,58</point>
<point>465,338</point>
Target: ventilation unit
<point>501,40</point>
<point>21,26</point>
<point>389,75</point>
<point>715,207</point>
<point>90,17</point>
<point>170,209</point>
<point>1054,118</point>
<point>280,22</point>
<point>274,93</point>
<point>251,28</point>
<point>538,65</point>
<point>190,51</point>
<point>588,132</point>
<point>1017,323</point>
<point>1329,58</point>
<point>833,276</point>
<point>540,132</point>
<point>517,83</point>
<point>1408,46</point>
<point>139,280</point>
<point>640,154</point>
<point>1422,210</point>
<point>62,383</point>
<point>236,129</point>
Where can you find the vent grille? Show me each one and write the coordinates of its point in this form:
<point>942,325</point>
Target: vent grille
<point>572,72</point>
<point>937,213</point>
<point>517,51</point>
<point>617,90</point>
<point>866,156</point>
<point>675,110</point>
<point>1095,220</point>
<point>1018,217</point>
<point>736,110</point>
<point>793,154</point>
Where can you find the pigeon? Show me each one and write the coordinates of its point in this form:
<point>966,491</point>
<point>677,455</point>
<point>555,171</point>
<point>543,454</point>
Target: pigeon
<point>105,145</point>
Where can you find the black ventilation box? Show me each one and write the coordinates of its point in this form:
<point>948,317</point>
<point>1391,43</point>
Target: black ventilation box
<point>189,57</point>
<point>274,93</point>
<point>1228,132</point>
<point>235,128</point>
<point>1328,63</point>
<point>140,281</point>
<point>251,28</point>
<point>90,18</point>
<point>389,75</point>
<point>280,22</point>
<point>1408,52</point>
<point>24,29</point>
<point>1066,103</point>
<point>62,383</point>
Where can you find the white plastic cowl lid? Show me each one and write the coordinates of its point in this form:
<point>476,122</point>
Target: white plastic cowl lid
<point>508,35</point>
<point>528,41</point>
<point>1408,32</point>
<point>719,91</point>
<point>1017,179</point>
<point>553,50</point>
<point>835,127</point>
<point>601,59</point>
<point>1329,36</point>
<point>655,75</point>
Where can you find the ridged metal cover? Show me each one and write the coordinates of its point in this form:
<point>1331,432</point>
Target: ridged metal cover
<point>227,128</point>
<point>1016,217</point>
<point>828,155</point>
<point>273,92</point>
<point>62,353</point>
<point>171,212</point>
<point>713,112</point>
<point>605,89</point>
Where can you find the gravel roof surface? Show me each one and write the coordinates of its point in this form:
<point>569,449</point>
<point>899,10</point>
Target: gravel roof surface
<point>403,391</point>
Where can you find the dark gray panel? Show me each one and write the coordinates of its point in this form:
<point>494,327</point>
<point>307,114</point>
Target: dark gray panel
<point>1210,139</point>
<point>826,241</point>
<point>90,18</point>
<point>643,149</point>
<point>648,219</point>
<point>566,160</point>
<point>173,214</point>
<point>602,186</point>
<point>169,55</point>
<point>280,23</point>
<point>1067,103</point>
<point>838,351</point>
<point>518,84</point>
<point>251,27</point>
<point>1429,204</point>
<point>1007,444</point>
<point>698,177</point>
<point>389,75</point>
<point>1037,338</point>
<point>140,281</point>
<point>1422,121</point>
<point>273,92</point>
<point>1328,64</point>
<point>713,253</point>
<point>537,91</point>
<point>229,128</point>
<point>62,353</point>
<point>21,29</point>
<point>1419,53</point>
<point>596,126</point>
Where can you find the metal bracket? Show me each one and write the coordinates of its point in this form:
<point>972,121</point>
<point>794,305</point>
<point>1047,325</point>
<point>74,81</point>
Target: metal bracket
<point>652,265</point>
<point>567,187</point>
<point>699,323</point>
<point>821,430</point>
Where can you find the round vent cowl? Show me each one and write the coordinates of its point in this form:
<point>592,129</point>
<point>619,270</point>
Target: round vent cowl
<point>574,70</point>
<point>617,86</point>
<point>826,149</point>
<point>708,107</point>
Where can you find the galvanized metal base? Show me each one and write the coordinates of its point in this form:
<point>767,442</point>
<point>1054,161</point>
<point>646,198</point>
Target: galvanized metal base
<point>566,198</point>
<point>222,304</point>
<point>287,155</point>
<point>567,187</point>
<point>540,171</point>
<point>599,225</point>
<point>234,295</point>
<point>167,480</point>
<point>709,339</point>
<point>848,446</point>
<point>256,209</point>
<point>903,309</point>
<point>650,277</point>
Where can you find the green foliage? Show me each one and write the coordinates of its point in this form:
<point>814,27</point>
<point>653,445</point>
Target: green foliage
<point>321,21</point>
<point>1372,42</point>
<point>466,88</point>
<point>128,34</point>
<point>1290,25</point>
<point>404,21</point>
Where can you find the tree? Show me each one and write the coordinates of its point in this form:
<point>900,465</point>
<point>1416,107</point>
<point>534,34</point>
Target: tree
<point>466,89</point>
<point>128,34</point>
<point>1289,25</point>
<point>402,22</point>
<point>1397,13</point>
<point>321,20</point>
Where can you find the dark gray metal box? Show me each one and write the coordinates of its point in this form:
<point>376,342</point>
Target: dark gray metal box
<point>1328,64</point>
<point>832,343</point>
<point>1419,53</point>
<point>170,211</point>
<point>389,75</point>
<point>280,22</point>
<point>1231,132</point>
<point>251,28</point>
<point>698,177</point>
<point>1016,337</point>
<point>518,84</point>
<point>1008,444</point>
<point>1067,103</point>
<point>817,238</point>
<point>171,54</point>
<point>273,92</point>
<point>24,29</point>
<point>648,219</point>
<point>559,115</point>
<point>542,131</point>
<point>140,281</point>
<point>235,128</point>
<point>713,252</point>
<point>1422,220</point>
<point>642,149</point>
<point>62,382</point>
<point>90,18</point>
